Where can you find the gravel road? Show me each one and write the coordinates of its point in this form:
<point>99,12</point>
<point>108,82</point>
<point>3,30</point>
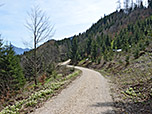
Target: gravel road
<point>88,94</point>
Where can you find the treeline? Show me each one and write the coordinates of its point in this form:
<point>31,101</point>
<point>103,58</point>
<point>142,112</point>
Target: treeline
<point>135,36</point>
<point>119,30</point>
<point>18,70</point>
<point>11,74</point>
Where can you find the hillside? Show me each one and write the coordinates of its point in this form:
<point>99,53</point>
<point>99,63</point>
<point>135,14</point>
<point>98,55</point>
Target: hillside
<point>19,51</point>
<point>121,49</point>
<point>106,69</point>
<point>103,32</point>
<point>119,45</point>
<point>106,29</point>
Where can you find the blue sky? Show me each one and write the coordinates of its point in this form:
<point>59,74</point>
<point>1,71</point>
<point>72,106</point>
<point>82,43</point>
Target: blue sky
<point>69,17</point>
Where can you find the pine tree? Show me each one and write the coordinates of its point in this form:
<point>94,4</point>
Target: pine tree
<point>1,52</point>
<point>88,46</point>
<point>93,50</point>
<point>2,84</point>
<point>149,3</point>
<point>141,5</point>
<point>10,71</point>
<point>108,41</point>
<point>74,49</point>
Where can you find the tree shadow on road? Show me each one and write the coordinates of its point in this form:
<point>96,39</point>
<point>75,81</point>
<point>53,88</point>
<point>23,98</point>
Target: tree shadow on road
<point>105,104</point>
<point>126,108</point>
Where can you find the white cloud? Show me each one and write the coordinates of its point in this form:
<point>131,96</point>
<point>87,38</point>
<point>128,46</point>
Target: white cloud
<point>75,14</point>
<point>69,16</point>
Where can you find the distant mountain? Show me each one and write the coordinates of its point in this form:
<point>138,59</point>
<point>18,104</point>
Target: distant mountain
<point>20,51</point>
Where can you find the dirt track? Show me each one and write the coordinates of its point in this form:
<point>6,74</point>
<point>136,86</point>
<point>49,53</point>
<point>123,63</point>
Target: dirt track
<point>88,94</point>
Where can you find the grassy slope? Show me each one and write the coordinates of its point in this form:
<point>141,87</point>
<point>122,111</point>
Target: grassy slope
<point>131,80</point>
<point>30,99</point>
<point>132,89</point>
<point>131,83</point>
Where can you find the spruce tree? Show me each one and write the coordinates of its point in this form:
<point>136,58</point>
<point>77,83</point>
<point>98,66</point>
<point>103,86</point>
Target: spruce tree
<point>11,71</point>
<point>74,49</point>
<point>1,52</point>
<point>2,83</point>
<point>149,3</point>
<point>88,46</point>
<point>93,50</point>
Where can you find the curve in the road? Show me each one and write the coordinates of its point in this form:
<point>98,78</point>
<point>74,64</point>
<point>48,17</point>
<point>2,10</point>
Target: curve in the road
<point>88,94</point>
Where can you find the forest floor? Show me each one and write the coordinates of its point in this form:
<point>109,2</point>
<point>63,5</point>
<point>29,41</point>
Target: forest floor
<point>88,94</point>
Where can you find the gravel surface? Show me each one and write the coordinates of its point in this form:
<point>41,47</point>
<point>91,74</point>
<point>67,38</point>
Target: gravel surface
<point>88,94</point>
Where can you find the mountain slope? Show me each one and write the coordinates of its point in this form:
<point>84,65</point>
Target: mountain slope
<point>107,29</point>
<point>20,51</point>
<point>130,68</point>
<point>103,32</point>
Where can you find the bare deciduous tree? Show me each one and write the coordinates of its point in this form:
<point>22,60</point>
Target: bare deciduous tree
<point>39,25</point>
<point>126,4</point>
<point>119,5</point>
<point>132,4</point>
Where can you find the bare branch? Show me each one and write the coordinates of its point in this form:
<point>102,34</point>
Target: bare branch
<point>27,44</point>
<point>38,23</point>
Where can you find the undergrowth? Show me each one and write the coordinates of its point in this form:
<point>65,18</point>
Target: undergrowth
<point>37,97</point>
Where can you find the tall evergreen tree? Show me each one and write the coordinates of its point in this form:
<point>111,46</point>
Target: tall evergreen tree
<point>2,78</point>
<point>93,49</point>
<point>11,74</point>
<point>88,46</point>
<point>74,49</point>
<point>149,3</point>
<point>141,5</point>
<point>1,52</point>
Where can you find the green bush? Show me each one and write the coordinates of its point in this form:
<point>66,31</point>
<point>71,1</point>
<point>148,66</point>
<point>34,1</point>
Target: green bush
<point>136,53</point>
